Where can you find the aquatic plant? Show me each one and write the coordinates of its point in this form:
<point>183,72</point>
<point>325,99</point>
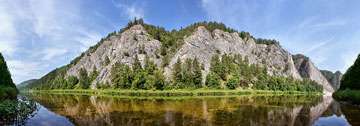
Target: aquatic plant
<point>17,112</point>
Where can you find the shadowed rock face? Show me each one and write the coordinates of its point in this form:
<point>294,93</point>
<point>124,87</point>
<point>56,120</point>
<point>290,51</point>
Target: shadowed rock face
<point>201,44</point>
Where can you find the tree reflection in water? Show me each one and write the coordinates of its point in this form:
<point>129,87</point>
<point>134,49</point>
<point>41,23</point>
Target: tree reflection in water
<point>17,111</point>
<point>235,110</point>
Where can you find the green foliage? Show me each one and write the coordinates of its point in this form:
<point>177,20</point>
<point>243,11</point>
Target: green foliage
<point>197,75</point>
<point>17,112</point>
<point>266,41</point>
<point>165,61</point>
<point>213,81</point>
<point>176,71</point>
<point>237,72</point>
<point>84,79</point>
<point>107,60</point>
<point>136,66</point>
<point>232,83</point>
<point>156,52</point>
<point>126,54</point>
<point>71,81</point>
<point>163,50</point>
<point>141,49</point>
<point>7,86</point>
<point>348,95</point>
<point>351,79</point>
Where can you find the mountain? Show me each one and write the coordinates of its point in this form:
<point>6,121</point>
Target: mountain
<point>141,42</point>
<point>25,83</point>
<point>333,78</point>
<point>7,86</point>
<point>351,78</point>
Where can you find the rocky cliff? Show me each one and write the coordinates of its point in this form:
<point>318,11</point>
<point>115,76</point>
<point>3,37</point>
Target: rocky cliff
<point>201,43</point>
<point>333,78</point>
<point>308,70</point>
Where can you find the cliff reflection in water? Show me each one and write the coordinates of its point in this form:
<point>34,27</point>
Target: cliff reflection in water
<point>213,111</point>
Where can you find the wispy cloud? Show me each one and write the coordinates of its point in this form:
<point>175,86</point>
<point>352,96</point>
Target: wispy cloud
<point>25,69</point>
<point>131,11</point>
<point>38,31</point>
<point>317,45</point>
<point>8,33</point>
<point>50,53</point>
<point>349,60</point>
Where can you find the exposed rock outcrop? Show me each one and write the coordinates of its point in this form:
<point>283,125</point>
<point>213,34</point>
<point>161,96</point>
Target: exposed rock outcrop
<point>121,49</point>
<point>308,70</point>
<point>333,78</point>
<point>202,44</point>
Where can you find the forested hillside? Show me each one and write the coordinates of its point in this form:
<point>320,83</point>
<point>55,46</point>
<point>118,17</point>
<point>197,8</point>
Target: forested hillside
<point>7,86</point>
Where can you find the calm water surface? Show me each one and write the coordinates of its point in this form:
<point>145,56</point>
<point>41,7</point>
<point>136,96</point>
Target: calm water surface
<point>86,110</point>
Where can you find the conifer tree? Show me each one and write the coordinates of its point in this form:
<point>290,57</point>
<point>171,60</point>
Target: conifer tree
<point>84,79</point>
<point>197,73</point>
<point>136,65</point>
<point>176,71</point>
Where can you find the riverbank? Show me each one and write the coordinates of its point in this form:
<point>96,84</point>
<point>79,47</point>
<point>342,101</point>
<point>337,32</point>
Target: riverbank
<point>348,95</point>
<point>198,92</point>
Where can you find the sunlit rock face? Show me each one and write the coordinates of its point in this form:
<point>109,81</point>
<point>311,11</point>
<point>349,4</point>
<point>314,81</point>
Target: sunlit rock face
<point>308,70</point>
<point>214,111</point>
<point>201,44</point>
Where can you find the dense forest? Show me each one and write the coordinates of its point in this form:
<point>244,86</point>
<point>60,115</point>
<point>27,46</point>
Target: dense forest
<point>7,86</point>
<point>227,71</point>
<point>350,84</point>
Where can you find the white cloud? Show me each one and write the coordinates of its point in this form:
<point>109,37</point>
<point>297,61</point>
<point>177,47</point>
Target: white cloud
<point>131,11</point>
<point>34,32</point>
<point>8,33</point>
<point>317,45</point>
<point>24,69</point>
<point>349,60</point>
<point>51,52</point>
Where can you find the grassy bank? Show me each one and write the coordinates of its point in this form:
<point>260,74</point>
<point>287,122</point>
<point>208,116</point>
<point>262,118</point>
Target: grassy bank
<point>348,95</point>
<point>198,92</point>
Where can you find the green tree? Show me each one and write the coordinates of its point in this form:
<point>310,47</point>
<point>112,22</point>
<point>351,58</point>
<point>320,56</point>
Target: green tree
<point>146,62</point>
<point>84,79</point>
<point>136,65</point>
<point>163,50</point>
<point>107,60</point>
<point>5,76</point>
<point>187,72</point>
<point>176,71</point>
<point>139,81</point>
<point>197,73</point>
<point>232,83</point>
<point>351,78</point>
<point>71,81</point>
<point>213,80</point>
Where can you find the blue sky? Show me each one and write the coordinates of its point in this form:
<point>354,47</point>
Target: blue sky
<point>37,36</point>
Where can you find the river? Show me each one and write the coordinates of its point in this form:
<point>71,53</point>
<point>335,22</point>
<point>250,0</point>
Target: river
<point>259,110</point>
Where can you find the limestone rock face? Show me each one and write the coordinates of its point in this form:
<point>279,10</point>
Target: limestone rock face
<point>336,78</point>
<point>333,78</point>
<point>201,44</point>
<point>308,70</point>
<point>115,49</point>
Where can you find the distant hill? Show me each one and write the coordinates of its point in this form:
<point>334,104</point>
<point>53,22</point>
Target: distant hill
<point>25,83</point>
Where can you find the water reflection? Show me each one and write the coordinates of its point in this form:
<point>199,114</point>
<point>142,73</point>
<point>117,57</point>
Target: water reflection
<point>212,111</point>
